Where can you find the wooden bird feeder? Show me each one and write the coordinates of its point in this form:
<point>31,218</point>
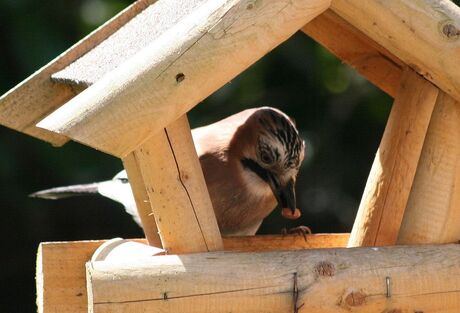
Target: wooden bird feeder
<point>133,104</point>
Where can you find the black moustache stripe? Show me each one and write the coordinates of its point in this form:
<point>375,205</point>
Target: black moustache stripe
<point>256,168</point>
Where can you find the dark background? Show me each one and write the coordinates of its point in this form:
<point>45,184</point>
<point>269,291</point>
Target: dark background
<point>341,117</point>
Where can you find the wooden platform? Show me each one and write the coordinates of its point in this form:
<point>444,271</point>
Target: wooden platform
<point>61,277</point>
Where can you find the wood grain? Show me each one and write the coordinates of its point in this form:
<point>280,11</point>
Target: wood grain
<point>25,105</point>
<point>387,189</point>
<point>354,48</point>
<point>182,67</point>
<point>433,209</point>
<point>424,34</point>
<point>144,208</point>
<point>420,279</point>
<point>177,191</point>
<point>61,277</point>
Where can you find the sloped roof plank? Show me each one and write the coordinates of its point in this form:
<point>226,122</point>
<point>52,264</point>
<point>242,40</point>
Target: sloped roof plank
<point>135,35</point>
<point>37,96</point>
<point>183,66</point>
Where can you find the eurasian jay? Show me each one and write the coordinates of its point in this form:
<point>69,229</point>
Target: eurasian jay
<point>250,162</point>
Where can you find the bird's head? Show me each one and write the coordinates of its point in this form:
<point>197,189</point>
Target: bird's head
<point>272,150</point>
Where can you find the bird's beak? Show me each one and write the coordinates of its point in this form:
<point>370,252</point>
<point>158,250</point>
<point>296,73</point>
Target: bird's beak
<point>285,195</point>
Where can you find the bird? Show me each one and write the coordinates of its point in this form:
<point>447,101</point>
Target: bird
<point>250,161</point>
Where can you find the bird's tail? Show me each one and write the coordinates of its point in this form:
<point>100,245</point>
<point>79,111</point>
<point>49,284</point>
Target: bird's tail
<point>66,192</point>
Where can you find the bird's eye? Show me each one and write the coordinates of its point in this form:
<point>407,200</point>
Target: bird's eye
<point>266,158</point>
<point>123,180</point>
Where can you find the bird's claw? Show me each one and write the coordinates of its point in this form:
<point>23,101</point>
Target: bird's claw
<point>299,230</point>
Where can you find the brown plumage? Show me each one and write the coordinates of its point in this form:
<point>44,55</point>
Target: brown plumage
<point>250,161</point>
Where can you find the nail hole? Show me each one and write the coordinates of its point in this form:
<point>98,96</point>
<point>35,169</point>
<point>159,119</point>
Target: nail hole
<point>180,77</point>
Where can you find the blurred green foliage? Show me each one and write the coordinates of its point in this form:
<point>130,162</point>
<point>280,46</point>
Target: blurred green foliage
<point>341,117</point>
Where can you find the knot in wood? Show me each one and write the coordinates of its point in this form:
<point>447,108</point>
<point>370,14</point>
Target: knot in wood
<point>325,268</point>
<point>450,31</point>
<point>355,298</point>
<point>251,4</point>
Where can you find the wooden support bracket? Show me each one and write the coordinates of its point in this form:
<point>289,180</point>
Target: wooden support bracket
<point>387,189</point>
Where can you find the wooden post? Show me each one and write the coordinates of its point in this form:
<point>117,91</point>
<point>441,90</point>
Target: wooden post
<point>361,280</point>
<point>354,48</point>
<point>61,277</point>
<point>433,210</point>
<point>390,180</point>
<point>177,191</point>
<point>144,208</point>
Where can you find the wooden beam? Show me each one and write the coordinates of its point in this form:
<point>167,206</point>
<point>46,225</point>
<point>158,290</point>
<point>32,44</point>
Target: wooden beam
<point>433,210</point>
<point>387,189</point>
<point>177,191</point>
<point>177,71</point>
<point>391,279</point>
<point>144,209</point>
<point>424,34</point>
<point>61,277</point>
<point>35,98</point>
<point>357,50</point>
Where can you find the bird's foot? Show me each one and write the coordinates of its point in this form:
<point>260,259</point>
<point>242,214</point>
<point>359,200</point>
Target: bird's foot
<point>299,230</point>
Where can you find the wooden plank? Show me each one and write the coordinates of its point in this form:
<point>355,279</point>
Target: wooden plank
<point>387,189</point>
<point>177,71</point>
<point>389,279</point>
<point>433,210</point>
<point>357,50</point>
<point>177,191</point>
<point>36,97</point>
<point>61,277</point>
<point>424,34</point>
<point>144,209</point>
